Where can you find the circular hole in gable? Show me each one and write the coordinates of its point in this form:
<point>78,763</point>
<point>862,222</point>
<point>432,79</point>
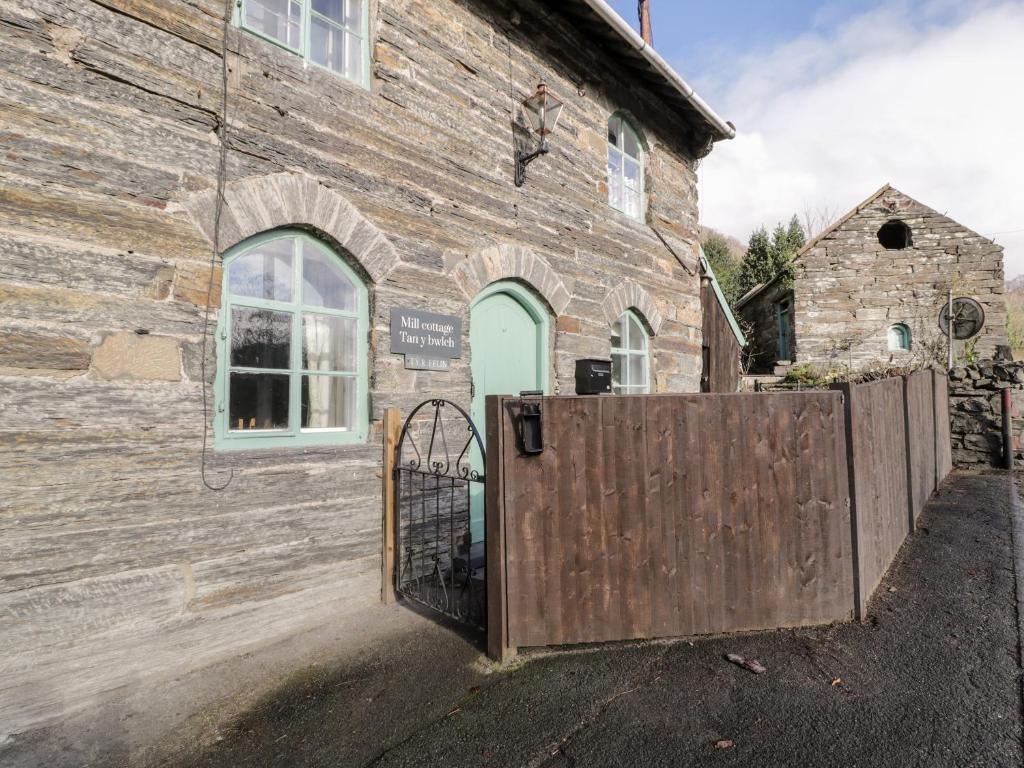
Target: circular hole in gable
<point>895,235</point>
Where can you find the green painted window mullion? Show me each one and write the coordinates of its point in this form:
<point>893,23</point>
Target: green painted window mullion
<point>272,371</point>
<point>220,399</point>
<point>271,305</point>
<point>330,312</point>
<point>295,381</point>
<point>307,28</point>
<point>364,36</point>
<point>335,374</point>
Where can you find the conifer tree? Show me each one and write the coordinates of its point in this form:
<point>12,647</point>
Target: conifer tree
<point>771,257</point>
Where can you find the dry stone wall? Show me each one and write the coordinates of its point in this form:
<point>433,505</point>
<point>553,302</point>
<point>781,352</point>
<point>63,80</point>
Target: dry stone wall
<point>116,556</point>
<point>975,394</point>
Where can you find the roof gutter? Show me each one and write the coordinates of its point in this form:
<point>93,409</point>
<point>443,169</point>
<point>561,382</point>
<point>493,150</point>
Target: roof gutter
<point>725,130</point>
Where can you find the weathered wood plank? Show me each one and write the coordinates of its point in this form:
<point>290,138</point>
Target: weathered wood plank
<point>392,433</point>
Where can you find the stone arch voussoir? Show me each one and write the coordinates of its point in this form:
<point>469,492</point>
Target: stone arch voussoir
<point>261,203</point>
<point>629,295</point>
<point>512,262</point>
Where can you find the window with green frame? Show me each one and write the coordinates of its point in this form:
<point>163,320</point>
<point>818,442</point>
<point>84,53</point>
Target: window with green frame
<point>631,364</point>
<point>330,33</point>
<point>292,346</point>
<point>625,168</point>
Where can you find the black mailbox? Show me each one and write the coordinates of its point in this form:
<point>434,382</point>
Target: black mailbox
<point>593,377</point>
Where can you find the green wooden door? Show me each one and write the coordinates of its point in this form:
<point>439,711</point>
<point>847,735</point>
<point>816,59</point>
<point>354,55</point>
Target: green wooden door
<point>508,332</point>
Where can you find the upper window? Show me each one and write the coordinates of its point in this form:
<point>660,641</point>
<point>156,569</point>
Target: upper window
<point>625,168</point>
<point>895,235</point>
<point>899,338</point>
<point>329,33</point>
<point>631,367</point>
<point>292,353</point>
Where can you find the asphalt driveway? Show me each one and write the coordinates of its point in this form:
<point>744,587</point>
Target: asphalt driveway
<point>932,680</point>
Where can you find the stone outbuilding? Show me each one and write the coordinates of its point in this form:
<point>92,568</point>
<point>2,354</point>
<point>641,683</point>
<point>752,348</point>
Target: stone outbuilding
<point>869,291</point>
<point>193,383</point>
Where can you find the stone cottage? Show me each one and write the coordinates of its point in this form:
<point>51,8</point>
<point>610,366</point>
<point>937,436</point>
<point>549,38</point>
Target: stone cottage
<point>870,288</point>
<point>365,153</point>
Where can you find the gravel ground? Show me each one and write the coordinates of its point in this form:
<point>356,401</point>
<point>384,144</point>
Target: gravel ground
<point>932,680</point>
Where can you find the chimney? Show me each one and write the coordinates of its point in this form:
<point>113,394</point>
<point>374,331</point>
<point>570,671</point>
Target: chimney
<point>645,22</point>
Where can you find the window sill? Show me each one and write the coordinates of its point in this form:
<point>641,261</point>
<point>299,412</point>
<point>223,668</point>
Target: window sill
<point>642,220</point>
<point>248,455</point>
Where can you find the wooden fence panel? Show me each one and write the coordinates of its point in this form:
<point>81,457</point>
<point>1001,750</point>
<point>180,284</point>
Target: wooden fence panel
<point>672,515</point>
<point>943,439</point>
<point>878,478</point>
<point>919,395</point>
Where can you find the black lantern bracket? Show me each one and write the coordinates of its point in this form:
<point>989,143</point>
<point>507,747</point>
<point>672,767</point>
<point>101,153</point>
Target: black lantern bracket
<point>523,159</point>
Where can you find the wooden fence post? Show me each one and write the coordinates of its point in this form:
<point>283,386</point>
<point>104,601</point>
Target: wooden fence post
<point>908,447</point>
<point>935,424</point>
<point>392,431</point>
<point>859,601</point>
<point>498,647</point>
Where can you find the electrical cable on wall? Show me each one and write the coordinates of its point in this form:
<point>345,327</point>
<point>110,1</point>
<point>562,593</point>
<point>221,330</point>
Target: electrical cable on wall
<point>512,119</point>
<point>218,208</point>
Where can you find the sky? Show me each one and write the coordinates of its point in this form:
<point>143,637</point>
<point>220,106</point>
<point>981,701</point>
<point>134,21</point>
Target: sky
<point>834,99</point>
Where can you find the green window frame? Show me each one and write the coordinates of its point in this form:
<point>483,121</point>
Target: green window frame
<point>625,168</point>
<point>783,311</point>
<point>899,338</point>
<point>330,34</point>
<point>631,356</point>
<point>292,362</point>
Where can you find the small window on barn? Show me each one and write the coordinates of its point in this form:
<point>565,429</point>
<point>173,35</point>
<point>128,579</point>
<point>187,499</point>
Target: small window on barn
<point>332,34</point>
<point>631,364</point>
<point>899,338</point>
<point>292,354</point>
<point>895,235</point>
<point>625,168</point>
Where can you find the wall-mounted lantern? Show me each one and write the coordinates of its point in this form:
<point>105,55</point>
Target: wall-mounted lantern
<point>529,425</point>
<point>542,110</point>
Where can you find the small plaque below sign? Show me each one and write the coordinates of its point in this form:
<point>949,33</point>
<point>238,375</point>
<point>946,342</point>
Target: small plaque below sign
<point>421,363</point>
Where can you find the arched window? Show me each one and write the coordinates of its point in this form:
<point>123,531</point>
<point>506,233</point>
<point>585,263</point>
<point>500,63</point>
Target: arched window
<point>631,365</point>
<point>899,338</point>
<point>625,168</point>
<point>292,346</point>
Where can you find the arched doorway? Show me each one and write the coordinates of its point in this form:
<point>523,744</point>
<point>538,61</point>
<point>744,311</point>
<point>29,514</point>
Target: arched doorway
<point>508,336</point>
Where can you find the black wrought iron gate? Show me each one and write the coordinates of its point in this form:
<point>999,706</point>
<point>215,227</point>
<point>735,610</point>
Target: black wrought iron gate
<point>439,502</point>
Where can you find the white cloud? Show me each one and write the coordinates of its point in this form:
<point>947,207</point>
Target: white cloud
<point>926,96</point>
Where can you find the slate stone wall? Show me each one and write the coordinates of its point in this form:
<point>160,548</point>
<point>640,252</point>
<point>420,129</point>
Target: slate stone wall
<point>975,394</point>
<point>849,289</point>
<point>119,564</point>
